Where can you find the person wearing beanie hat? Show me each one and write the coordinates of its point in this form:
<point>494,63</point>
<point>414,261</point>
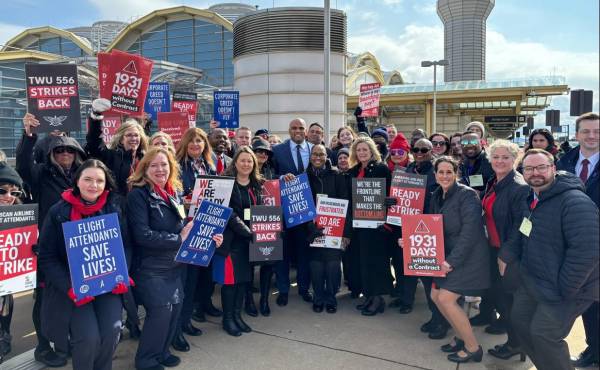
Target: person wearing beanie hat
<point>380,137</point>
<point>263,132</point>
<point>381,132</point>
<point>398,153</point>
<point>476,127</point>
<point>10,192</point>
<point>343,155</point>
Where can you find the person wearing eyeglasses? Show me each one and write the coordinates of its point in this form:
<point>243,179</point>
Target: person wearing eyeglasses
<point>558,261</point>
<point>475,168</point>
<point>47,181</point>
<point>441,144</point>
<point>11,191</point>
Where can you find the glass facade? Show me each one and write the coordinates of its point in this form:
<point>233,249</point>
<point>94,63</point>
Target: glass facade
<point>57,45</point>
<point>193,43</point>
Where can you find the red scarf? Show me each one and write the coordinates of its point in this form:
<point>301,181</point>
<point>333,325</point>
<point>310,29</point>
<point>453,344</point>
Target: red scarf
<point>79,208</point>
<point>164,193</point>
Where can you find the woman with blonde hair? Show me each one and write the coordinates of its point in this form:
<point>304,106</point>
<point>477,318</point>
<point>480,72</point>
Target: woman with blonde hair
<point>156,219</point>
<point>162,140</point>
<point>194,155</point>
<point>372,244</point>
<point>125,150</point>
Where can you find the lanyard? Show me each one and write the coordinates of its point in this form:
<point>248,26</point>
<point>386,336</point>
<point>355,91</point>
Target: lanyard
<point>251,195</point>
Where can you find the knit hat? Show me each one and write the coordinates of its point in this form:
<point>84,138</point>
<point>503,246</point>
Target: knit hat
<point>262,144</point>
<point>380,132</point>
<point>478,124</point>
<point>343,151</point>
<point>9,176</point>
<point>400,142</point>
<point>262,131</point>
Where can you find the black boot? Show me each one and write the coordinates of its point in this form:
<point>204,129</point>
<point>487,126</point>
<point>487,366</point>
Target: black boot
<point>179,342</point>
<point>237,310</point>
<point>265,287</point>
<point>228,303</point>
<point>249,305</point>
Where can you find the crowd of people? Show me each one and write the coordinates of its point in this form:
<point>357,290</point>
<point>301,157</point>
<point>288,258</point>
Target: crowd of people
<point>521,231</point>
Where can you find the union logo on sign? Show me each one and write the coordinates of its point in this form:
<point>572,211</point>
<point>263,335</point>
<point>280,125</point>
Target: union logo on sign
<point>422,228</point>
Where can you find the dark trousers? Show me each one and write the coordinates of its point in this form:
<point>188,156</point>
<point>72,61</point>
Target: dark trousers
<point>325,276</point>
<point>95,329</point>
<point>189,276</point>
<point>590,324</point>
<point>352,268</point>
<point>265,276</point>
<point>6,312</point>
<point>494,298</point>
<point>205,287</point>
<point>541,328</point>
<point>157,334</point>
<point>36,316</point>
<point>294,244</point>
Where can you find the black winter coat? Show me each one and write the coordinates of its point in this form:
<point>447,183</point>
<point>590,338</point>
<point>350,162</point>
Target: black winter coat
<point>425,168</point>
<point>592,185</point>
<point>57,307</point>
<point>188,174</point>
<point>559,259</point>
<point>481,166</point>
<point>465,244</point>
<point>328,181</point>
<point>118,160</point>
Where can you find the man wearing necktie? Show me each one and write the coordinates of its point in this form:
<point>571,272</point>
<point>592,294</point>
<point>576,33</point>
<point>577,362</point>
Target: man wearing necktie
<point>292,157</point>
<point>583,162</point>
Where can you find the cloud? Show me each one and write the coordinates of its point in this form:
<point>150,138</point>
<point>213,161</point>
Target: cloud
<point>133,9</point>
<point>8,31</point>
<point>425,6</point>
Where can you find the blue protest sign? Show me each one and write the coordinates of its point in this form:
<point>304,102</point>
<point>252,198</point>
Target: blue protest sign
<point>297,201</point>
<point>95,253</point>
<point>157,99</point>
<point>198,248</point>
<point>227,108</point>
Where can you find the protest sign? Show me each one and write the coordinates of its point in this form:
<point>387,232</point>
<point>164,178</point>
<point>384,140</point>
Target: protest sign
<point>110,125</point>
<point>127,81</point>
<point>226,107</point>
<point>18,233</point>
<point>173,123</point>
<point>297,201</point>
<point>103,71</point>
<point>186,102</point>
<point>409,191</point>
<point>199,248</point>
<point>423,238</point>
<point>265,223</point>
<point>53,96</point>
<point>331,216</point>
<point>216,189</point>
<point>368,99</point>
<point>368,198</point>
<point>271,195</point>
<point>95,254</point>
<point>157,99</point>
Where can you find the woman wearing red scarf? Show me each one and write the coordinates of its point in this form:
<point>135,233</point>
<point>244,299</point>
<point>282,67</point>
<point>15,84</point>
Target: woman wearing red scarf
<point>398,154</point>
<point>94,323</point>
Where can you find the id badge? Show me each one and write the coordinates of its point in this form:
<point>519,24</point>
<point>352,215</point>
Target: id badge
<point>475,180</point>
<point>246,214</point>
<point>526,227</point>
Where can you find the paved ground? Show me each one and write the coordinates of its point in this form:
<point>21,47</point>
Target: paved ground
<point>296,338</point>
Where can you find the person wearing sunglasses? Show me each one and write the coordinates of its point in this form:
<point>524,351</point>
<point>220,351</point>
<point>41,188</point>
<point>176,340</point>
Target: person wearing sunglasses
<point>47,181</point>
<point>441,144</point>
<point>475,168</point>
<point>398,157</point>
<point>11,187</point>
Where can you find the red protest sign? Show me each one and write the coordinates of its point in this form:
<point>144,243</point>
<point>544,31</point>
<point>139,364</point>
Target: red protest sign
<point>271,194</point>
<point>368,99</point>
<point>186,102</point>
<point>103,71</point>
<point>409,191</point>
<point>127,81</point>
<point>18,234</point>
<point>110,124</point>
<point>174,124</point>
<point>423,251</point>
<point>331,216</point>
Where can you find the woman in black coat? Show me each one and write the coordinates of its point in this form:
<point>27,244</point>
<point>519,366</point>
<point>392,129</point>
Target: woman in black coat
<point>93,323</point>
<point>156,219</point>
<point>231,265</point>
<point>325,263</point>
<point>466,250</point>
<point>194,155</point>
<point>505,195</point>
<point>376,277</point>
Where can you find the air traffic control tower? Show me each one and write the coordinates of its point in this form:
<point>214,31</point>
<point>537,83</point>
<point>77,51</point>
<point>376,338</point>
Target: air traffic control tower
<point>464,37</point>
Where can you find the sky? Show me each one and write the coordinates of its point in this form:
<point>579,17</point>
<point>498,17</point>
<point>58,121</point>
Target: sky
<point>524,38</point>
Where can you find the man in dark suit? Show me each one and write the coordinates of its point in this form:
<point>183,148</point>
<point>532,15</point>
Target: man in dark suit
<point>315,136</point>
<point>292,157</point>
<point>218,142</point>
<point>583,161</point>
